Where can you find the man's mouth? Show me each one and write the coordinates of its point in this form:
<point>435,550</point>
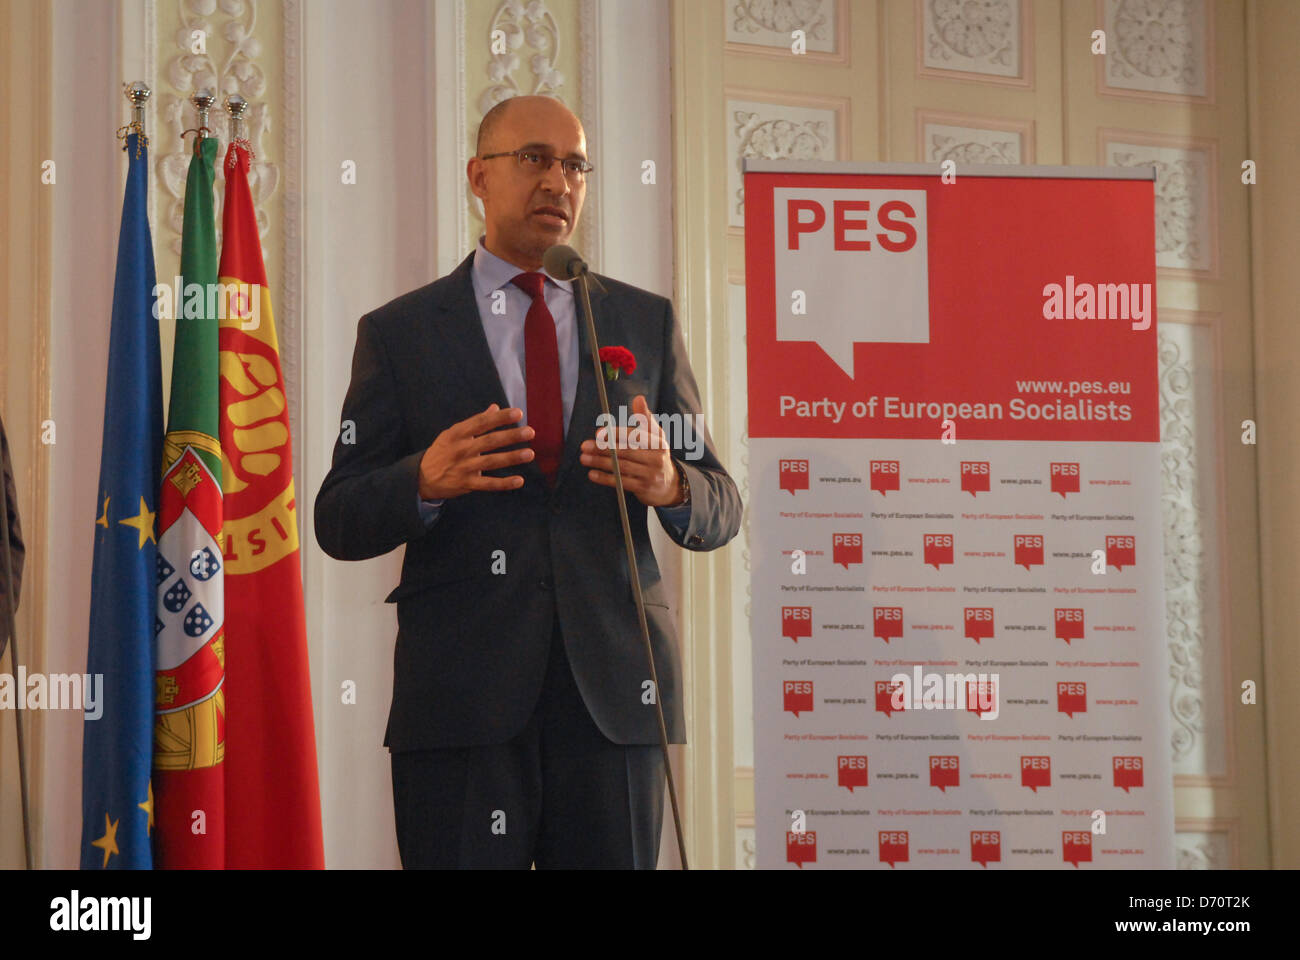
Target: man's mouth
<point>552,215</point>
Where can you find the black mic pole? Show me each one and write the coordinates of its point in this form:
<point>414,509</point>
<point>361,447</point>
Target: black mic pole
<point>575,268</point>
<point>11,627</point>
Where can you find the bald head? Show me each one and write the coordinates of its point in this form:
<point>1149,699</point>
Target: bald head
<point>529,204</point>
<point>489,128</point>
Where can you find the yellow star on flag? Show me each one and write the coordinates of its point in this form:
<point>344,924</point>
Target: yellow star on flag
<point>103,517</point>
<point>108,842</point>
<point>147,807</point>
<point>143,521</point>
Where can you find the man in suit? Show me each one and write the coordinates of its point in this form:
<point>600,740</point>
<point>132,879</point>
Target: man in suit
<point>523,727</point>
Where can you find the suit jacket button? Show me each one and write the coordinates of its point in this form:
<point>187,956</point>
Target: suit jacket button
<point>544,583</point>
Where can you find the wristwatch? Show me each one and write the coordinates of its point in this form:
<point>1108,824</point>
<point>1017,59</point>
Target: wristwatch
<point>683,486</point>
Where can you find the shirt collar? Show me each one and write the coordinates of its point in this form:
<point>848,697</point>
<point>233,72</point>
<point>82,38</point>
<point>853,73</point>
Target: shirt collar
<point>491,273</point>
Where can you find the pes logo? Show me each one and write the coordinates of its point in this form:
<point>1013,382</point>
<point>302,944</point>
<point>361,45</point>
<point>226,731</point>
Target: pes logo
<point>887,622</point>
<point>793,475</point>
<point>801,848</point>
<point>1128,772</point>
<point>1035,772</point>
<point>945,772</point>
<point>1121,552</point>
<point>853,771</point>
<point>975,476</point>
<point>884,476</point>
<point>1069,623</point>
<point>936,549</point>
<point>893,846</point>
<point>1071,697</point>
<point>985,847</point>
<point>796,622</point>
<point>841,248</point>
<point>1064,478</point>
<point>1076,846</point>
<point>979,623</point>
<point>846,548</point>
<point>798,696</point>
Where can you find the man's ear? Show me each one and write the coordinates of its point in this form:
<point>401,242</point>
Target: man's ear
<point>474,174</point>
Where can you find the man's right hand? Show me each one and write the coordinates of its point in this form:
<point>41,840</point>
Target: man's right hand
<point>454,463</point>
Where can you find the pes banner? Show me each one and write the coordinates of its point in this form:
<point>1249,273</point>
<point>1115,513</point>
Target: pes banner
<point>958,617</point>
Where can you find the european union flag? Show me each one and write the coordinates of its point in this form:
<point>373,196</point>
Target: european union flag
<point>117,746</point>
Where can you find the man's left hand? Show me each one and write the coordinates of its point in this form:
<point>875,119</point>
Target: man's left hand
<point>645,460</point>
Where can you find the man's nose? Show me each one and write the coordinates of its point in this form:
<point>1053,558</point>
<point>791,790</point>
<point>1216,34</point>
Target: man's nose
<point>554,179</point>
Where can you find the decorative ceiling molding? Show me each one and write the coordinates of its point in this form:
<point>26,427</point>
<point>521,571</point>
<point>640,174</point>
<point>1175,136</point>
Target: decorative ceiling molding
<point>986,42</point>
<point>229,65</point>
<point>1186,219</point>
<point>1159,50</point>
<point>970,139</point>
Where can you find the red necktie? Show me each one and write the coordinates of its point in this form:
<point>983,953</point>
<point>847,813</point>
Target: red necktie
<point>542,377</point>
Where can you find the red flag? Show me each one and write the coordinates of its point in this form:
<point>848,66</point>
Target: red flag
<point>272,791</point>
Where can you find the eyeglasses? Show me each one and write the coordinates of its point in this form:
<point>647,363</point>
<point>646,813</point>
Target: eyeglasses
<point>540,161</point>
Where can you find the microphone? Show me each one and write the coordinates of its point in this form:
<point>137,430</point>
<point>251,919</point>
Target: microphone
<point>565,263</point>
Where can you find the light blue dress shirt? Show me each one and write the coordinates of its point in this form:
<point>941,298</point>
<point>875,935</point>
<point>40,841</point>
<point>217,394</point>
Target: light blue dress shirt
<point>504,329</point>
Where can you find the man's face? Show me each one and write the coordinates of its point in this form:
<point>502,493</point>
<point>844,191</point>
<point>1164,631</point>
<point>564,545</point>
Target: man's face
<point>527,210</point>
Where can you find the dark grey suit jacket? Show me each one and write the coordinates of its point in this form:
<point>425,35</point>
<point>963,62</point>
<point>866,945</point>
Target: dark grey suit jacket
<point>472,645</point>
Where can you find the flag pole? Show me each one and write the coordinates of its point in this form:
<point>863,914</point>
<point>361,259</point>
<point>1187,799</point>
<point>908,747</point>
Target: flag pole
<point>235,106</point>
<point>203,101</point>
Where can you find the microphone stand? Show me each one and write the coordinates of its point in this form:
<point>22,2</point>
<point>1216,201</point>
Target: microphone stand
<point>11,627</point>
<point>584,301</point>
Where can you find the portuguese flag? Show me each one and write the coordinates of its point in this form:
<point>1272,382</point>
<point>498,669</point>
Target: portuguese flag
<point>190,705</point>
<point>271,777</point>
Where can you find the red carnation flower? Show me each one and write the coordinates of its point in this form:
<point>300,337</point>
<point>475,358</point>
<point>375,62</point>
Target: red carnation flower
<point>617,360</point>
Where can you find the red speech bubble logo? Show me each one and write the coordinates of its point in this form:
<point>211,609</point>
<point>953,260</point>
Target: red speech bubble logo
<point>1035,772</point>
<point>981,697</point>
<point>1071,697</point>
<point>794,475</point>
<point>801,848</point>
<point>846,548</point>
<point>975,476</point>
<point>1069,623</point>
<point>936,548</point>
<point>886,701</point>
<point>798,696</point>
<point>1076,846</point>
<point>1028,550</point>
<point>1064,478</point>
<point>884,475</point>
<point>887,622</point>
<point>945,772</point>
<point>1121,552</point>
<point>893,846</point>
<point>985,847</point>
<point>979,623</point>
<point>1128,772</point>
<point>853,771</point>
<point>796,622</point>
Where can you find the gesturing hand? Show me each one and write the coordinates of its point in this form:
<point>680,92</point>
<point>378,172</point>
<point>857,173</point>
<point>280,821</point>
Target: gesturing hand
<point>455,461</point>
<point>645,460</point>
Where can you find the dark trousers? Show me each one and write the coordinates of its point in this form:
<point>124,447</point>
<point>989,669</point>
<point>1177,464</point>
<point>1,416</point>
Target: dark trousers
<point>559,795</point>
